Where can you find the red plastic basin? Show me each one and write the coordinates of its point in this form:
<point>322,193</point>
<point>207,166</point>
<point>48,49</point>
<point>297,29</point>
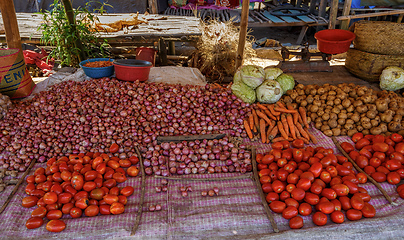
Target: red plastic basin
<point>132,69</point>
<point>334,41</point>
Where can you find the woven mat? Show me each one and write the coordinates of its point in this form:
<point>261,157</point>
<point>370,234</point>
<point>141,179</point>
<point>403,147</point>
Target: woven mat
<point>237,213</point>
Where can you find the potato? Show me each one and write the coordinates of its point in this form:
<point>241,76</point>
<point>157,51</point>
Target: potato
<point>324,128</point>
<point>349,126</point>
<point>344,132</point>
<point>397,118</point>
<point>349,121</point>
<point>394,126</point>
<point>299,86</point>
<point>320,112</point>
<point>317,103</point>
<point>366,132</point>
<point>386,116</point>
<point>381,105</point>
<point>325,116</point>
<point>367,125</point>
<point>336,131</point>
<point>371,107</point>
<point>300,92</point>
<point>341,121</point>
<point>393,104</point>
<point>383,126</point>
<point>371,114</point>
<point>327,110</point>
<point>359,128</point>
<point>350,108</point>
<point>328,133</point>
<point>318,125</point>
<point>367,98</point>
<point>376,131</point>
<point>351,132</point>
<point>323,97</point>
<point>355,117</point>
<point>287,99</point>
<point>318,119</point>
<point>330,103</point>
<point>401,132</point>
<point>313,91</point>
<point>310,99</point>
<point>299,99</point>
<point>303,103</point>
<point>342,115</point>
<point>346,103</point>
<point>374,122</point>
<point>337,101</point>
<point>400,111</point>
<point>332,123</point>
<point>333,116</point>
<point>313,115</point>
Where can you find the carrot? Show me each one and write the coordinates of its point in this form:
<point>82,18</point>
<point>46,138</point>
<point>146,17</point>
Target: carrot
<point>269,114</point>
<point>305,140</point>
<point>251,121</point>
<point>263,116</point>
<point>285,124</point>
<point>295,115</point>
<point>312,137</point>
<point>291,125</point>
<point>256,121</point>
<point>278,139</point>
<point>282,130</point>
<point>280,104</point>
<point>262,130</point>
<point>304,116</point>
<point>284,110</point>
<point>262,107</point>
<point>272,110</point>
<point>303,132</point>
<point>273,133</point>
<point>298,135</point>
<point>247,129</point>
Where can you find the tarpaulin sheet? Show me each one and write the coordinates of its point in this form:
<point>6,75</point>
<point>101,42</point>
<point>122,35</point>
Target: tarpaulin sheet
<point>236,213</point>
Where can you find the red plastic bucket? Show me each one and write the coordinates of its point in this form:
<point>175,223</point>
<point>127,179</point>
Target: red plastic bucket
<point>334,41</point>
<point>146,54</point>
<point>132,69</point>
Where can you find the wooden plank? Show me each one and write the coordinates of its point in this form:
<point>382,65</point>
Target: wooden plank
<point>365,15</point>
<point>290,19</point>
<point>271,17</point>
<point>304,18</point>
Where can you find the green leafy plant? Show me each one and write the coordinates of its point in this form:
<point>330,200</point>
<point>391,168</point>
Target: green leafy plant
<point>57,32</point>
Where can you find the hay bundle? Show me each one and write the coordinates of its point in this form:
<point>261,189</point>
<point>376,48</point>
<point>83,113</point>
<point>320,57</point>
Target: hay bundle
<point>217,50</point>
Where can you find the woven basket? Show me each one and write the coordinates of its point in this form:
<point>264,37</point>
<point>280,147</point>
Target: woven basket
<point>369,66</point>
<point>379,37</point>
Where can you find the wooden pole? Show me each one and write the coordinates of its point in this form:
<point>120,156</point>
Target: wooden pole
<point>10,24</point>
<point>72,21</point>
<point>333,14</point>
<point>366,15</point>
<point>243,32</point>
<point>347,8</point>
<point>153,6</point>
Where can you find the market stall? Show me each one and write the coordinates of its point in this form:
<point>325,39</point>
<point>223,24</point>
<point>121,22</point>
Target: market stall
<point>274,154</point>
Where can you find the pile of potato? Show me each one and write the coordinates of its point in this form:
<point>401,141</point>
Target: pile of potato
<point>345,109</point>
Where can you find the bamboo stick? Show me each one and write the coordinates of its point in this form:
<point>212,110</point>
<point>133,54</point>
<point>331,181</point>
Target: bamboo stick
<point>243,32</point>
<point>360,170</point>
<point>10,24</point>
<point>376,14</point>
<point>242,176</point>
<point>261,193</point>
<point>140,210</point>
<point>347,8</point>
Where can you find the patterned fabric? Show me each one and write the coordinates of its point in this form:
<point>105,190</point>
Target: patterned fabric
<point>197,2</point>
<point>177,3</point>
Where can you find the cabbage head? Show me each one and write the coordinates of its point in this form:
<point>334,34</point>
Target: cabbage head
<point>270,91</point>
<point>252,75</point>
<point>241,90</point>
<point>392,78</point>
<point>286,81</point>
<point>272,73</point>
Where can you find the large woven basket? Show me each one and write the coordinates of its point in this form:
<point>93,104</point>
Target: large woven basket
<point>369,66</point>
<point>379,37</point>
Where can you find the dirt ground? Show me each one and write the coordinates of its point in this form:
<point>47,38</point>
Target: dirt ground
<point>283,34</point>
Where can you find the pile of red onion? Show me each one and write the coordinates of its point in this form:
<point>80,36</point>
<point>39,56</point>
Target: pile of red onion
<point>193,157</point>
<point>76,117</point>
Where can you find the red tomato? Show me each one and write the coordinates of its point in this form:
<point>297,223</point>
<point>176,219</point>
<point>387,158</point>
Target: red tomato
<point>362,178</point>
<point>298,143</point>
<point>81,194</point>
<point>91,211</point>
<point>29,201</point>
<point>77,182</point>
<point>365,196</point>
<point>357,136</point>
<point>29,188</point>
<point>50,197</point>
<point>135,159</point>
<point>298,194</point>
<point>397,156</point>
<point>278,186</point>
<point>345,203</point>
<point>277,206</point>
<point>326,207</point>
<point>353,214</point>
<point>91,175</point>
<point>353,188</point>
<point>399,147</point>
<point>127,191</point>
<point>319,218</point>
<point>329,193</point>
<point>291,202</point>
<point>296,222</point>
<point>39,212</point>
<point>67,207</point>
<point>55,226</point>
<point>117,208</point>
<point>316,188</point>
<point>395,137</point>
<point>380,147</point>
<point>357,202</point>
<point>268,159</point>
<point>304,183</point>
<point>337,217</point>
<point>361,143</point>
<point>393,178</point>
<point>54,214</point>
<point>272,196</point>
<point>311,198</point>
<point>267,187</point>
<point>76,212</point>
<point>110,183</point>
<point>114,148</point>
<point>393,165</point>
<point>89,186</point>
<point>97,194</point>
<point>82,203</point>
<point>379,176</point>
<point>56,188</point>
<point>289,212</point>
<point>341,189</point>
<point>34,222</point>
<point>65,197</point>
<point>305,209</point>
<point>337,204</point>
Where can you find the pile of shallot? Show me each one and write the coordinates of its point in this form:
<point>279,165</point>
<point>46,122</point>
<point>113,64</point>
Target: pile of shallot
<point>89,116</point>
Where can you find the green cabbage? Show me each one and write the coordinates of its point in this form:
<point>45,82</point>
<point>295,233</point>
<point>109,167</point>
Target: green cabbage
<point>241,90</point>
<point>392,78</point>
<point>286,81</point>
<point>252,75</point>
<point>272,73</point>
<point>270,91</point>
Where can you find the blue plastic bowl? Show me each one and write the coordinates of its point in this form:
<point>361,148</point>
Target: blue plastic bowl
<point>97,72</point>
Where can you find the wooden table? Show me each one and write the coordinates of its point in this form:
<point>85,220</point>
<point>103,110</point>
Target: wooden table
<point>162,29</point>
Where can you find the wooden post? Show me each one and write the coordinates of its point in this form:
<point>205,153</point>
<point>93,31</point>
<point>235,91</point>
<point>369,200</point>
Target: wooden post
<point>243,32</point>
<point>153,6</point>
<point>347,8</point>
<point>10,24</point>
<point>72,21</point>
<point>333,14</point>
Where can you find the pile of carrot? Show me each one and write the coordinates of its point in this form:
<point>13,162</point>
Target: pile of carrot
<point>271,120</point>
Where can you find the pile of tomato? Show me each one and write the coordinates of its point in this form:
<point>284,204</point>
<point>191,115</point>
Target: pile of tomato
<point>304,181</point>
<point>76,185</point>
<point>380,157</point>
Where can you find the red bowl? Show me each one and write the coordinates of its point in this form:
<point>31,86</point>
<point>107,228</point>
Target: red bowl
<point>334,41</point>
<point>132,69</point>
